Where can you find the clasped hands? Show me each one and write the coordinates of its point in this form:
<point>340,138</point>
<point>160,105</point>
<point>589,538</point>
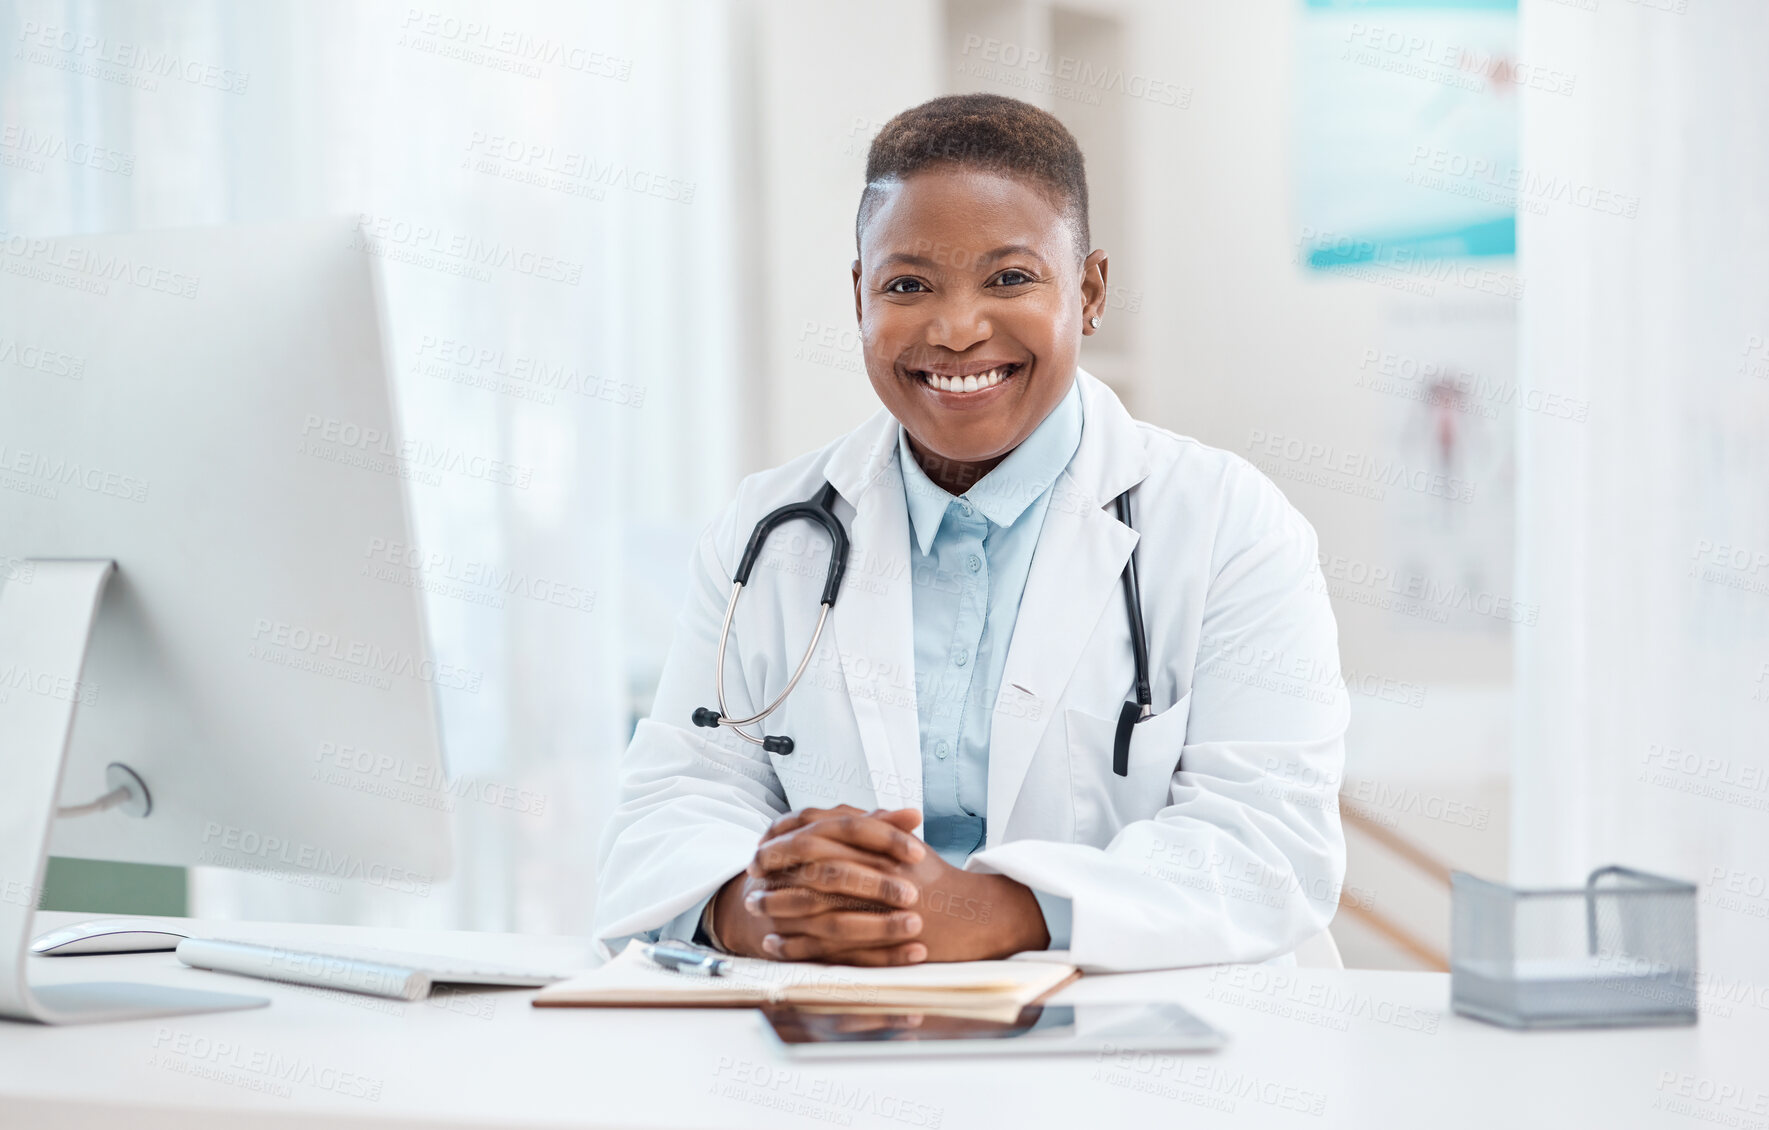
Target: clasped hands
<point>848,887</point>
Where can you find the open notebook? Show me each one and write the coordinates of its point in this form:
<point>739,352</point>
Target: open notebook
<point>631,980</point>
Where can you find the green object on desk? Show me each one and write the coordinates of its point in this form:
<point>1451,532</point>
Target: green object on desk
<point>96,886</point>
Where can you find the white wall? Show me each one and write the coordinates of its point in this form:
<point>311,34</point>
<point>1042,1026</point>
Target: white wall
<point>1643,728</point>
<point>1240,340</point>
<point>828,76</point>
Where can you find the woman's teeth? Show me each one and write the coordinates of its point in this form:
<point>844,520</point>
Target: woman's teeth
<point>968,384</point>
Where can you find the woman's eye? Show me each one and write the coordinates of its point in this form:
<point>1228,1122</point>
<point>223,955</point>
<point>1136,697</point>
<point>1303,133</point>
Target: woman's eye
<point>903,286</point>
<point>1012,278</point>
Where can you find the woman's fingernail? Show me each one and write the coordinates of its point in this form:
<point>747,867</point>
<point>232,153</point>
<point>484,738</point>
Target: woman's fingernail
<point>752,901</point>
<point>916,953</point>
<point>771,943</point>
<point>916,851</point>
<point>912,923</point>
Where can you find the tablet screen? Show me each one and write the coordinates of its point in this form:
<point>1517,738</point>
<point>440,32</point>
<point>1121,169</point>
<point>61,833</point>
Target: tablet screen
<point>1037,1028</point>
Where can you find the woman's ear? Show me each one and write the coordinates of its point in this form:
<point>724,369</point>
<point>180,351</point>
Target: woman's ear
<point>856,292</point>
<point>1093,291</point>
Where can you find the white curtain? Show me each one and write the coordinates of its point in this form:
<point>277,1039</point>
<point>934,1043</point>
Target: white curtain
<point>443,119</point>
<point>1643,533</point>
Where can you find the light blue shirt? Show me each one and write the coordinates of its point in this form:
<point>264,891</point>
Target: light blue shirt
<point>969,565</point>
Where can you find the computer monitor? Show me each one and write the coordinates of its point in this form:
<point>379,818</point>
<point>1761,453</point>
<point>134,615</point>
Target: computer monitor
<point>210,409</point>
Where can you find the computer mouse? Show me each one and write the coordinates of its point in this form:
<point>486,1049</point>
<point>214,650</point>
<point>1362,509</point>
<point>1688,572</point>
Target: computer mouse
<point>106,935</point>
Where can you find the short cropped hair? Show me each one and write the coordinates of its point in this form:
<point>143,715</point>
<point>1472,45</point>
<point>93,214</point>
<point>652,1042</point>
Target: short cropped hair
<point>988,132</point>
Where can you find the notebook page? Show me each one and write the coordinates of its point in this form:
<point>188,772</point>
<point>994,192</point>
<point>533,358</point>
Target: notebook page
<point>631,977</point>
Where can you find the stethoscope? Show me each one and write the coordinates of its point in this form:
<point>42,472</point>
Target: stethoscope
<point>821,510</point>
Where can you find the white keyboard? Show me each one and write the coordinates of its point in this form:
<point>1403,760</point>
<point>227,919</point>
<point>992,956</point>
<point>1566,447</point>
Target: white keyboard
<point>399,974</point>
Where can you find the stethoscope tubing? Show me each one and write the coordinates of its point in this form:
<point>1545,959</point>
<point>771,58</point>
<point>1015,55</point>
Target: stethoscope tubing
<point>719,679</point>
<point>821,511</point>
<point>1139,644</point>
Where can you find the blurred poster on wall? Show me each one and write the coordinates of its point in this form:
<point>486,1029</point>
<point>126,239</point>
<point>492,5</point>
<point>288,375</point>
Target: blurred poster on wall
<point>1405,130</point>
<point>1446,377</point>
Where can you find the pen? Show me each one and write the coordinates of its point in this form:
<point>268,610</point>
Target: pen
<point>687,959</point>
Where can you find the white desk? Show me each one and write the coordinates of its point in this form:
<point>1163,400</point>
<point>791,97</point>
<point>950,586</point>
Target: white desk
<point>1308,1048</point>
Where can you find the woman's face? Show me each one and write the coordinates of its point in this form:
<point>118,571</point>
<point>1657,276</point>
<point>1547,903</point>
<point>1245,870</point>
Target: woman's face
<point>971,305</point>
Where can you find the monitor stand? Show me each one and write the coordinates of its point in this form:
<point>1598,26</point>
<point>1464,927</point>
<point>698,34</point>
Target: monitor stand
<point>45,626</point>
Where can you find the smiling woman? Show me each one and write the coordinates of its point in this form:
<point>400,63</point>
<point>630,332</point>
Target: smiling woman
<point>994,495</point>
<point>970,303</point>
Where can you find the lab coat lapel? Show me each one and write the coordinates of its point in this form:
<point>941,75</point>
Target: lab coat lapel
<point>1075,573</point>
<point>1075,580</point>
<point>871,626</point>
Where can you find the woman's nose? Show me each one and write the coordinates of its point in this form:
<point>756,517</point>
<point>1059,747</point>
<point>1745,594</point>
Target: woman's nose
<point>957,326</point>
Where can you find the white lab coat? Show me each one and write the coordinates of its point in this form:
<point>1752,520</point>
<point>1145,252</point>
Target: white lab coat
<point>1222,845</point>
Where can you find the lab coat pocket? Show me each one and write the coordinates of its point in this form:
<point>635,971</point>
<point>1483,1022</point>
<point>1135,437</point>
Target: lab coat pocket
<point>1104,801</point>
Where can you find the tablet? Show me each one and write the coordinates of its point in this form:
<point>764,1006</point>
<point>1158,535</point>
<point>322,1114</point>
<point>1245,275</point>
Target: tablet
<point>1059,1029</point>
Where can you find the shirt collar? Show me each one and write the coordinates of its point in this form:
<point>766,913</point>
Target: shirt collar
<point>1004,493</point>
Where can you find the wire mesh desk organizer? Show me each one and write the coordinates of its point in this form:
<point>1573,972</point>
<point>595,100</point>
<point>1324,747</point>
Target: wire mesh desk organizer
<point>1619,951</point>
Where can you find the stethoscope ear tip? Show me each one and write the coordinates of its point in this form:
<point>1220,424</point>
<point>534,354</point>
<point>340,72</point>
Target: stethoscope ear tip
<point>712,719</point>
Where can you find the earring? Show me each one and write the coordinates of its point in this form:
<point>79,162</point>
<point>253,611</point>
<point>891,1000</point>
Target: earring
<point>1094,321</point>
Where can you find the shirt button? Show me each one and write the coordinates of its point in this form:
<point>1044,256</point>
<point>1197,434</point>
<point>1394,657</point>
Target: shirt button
<point>966,507</point>
<point>940,751</point>
<point>974,562</point>
<point>961,658</point>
